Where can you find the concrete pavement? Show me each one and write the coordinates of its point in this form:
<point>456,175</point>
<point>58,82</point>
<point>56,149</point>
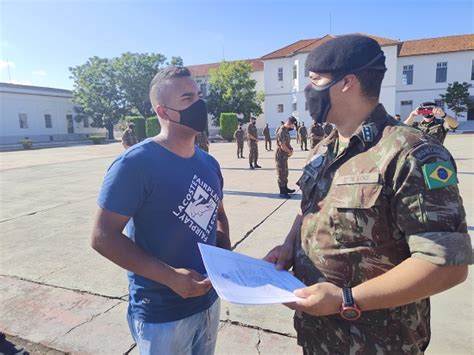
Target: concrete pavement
<point>56,291</point>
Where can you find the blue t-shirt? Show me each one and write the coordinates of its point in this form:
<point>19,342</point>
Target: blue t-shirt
<point>172,202</point>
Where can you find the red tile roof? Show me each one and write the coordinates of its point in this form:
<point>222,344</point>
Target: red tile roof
<point>307,45</point>
<point>437,45</point>
<point>203,69</point>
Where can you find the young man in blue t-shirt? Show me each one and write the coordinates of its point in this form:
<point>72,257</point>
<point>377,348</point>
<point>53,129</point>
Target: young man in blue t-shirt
<point>169,196</point>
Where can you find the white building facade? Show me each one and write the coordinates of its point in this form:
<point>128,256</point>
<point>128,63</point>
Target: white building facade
<point>40,114</point>
<point>434,63</point>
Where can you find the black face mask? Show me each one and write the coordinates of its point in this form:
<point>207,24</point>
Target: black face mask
<point>319,101</point>
<point>428,116</point>
<point>195,116</point>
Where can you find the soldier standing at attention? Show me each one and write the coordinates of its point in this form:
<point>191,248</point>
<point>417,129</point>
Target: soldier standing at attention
<point>284,151</point>
<point>129,138</point>
<point>382,226</point>
<point>252,139</point>
<point>268,140</point>
<point>435,123</point>
<point>317,134</point>
<point>239,138</point>
<point>303,133</point>
<point>201,141</point>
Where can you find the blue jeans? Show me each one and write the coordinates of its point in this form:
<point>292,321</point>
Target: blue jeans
<point>195,335</point>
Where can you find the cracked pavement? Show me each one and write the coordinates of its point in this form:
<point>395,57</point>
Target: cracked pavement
<point>57,292</point>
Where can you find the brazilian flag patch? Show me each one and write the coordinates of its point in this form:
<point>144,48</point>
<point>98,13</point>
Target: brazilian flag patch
<point>439,174</point>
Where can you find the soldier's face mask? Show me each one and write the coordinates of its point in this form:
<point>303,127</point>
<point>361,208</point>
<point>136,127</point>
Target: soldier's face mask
<point>317,97</point>
<point>319,101</point>
<point>194,117</point>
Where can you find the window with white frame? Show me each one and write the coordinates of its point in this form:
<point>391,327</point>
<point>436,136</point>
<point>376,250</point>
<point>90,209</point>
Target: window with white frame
<point>295,106</point>
<point>85,121</point>
<point>48,122</point>
<point>280,74</point>
<point>407,75</point>
<point>280,108</point>
<point>441,72</point>
<point>306,72</point>
<point>23,120</point>
<point>306,106</point>
<point>295,72</point>
<point>472,70</point>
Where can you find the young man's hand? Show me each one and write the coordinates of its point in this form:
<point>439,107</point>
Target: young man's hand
<point>189,283</point>
<point>282,256</point>
<point>438,112</point>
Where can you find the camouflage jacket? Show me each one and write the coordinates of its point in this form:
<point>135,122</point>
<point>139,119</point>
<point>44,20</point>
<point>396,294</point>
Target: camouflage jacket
<point>201,141</point>
<point>239,135</point>
<point>434,128</point>
<point>303,132</point>
<point>317,131</point>
<point>364,212</point>
<point>266,132</point>
<point>129,138</point>
<point>283,137</point>
<point>252,131</point>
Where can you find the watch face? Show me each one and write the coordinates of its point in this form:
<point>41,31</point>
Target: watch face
<point>350,313</point>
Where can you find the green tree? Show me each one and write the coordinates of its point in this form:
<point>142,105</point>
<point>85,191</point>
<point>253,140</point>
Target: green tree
<point>176,62</point>
<point>228,124</point>
<point>231,89</point>
<point>134,73</point>
<point>457,97</point>
<point>97,92</point>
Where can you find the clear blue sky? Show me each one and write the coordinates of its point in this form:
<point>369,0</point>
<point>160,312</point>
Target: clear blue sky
<point>41,39</point>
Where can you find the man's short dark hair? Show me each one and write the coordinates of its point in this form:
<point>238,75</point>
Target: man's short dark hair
<point>161,80</point>
<point>370,82</point>
<point>292,120</point>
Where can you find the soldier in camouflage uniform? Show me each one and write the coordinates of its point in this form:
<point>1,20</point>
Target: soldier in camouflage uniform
<point>201,141</point>
<point>327,128</point>
<point>435,124</point>
<point>283,152</point>
<point>239,137</point>
<point>317,134</point>
<point>252,140</point>
<point>303,134</point>
<point>268,139</point>
<point>382,226</point>
<point>129,138</point>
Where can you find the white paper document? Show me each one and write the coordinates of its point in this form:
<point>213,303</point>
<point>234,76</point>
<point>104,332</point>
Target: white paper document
<point>242,279</point>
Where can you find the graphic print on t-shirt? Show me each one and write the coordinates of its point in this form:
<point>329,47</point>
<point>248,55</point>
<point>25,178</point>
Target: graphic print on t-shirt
<point>198,209</point>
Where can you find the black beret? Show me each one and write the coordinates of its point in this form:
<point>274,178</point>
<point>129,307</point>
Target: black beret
<point>346,54</point>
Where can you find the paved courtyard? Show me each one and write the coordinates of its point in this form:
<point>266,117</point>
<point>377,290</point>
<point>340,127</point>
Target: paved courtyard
<point>57,292</point>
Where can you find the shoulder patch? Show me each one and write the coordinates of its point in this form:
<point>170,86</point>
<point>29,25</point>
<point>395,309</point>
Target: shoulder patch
<point>439,174</point>
<point>429,150</point>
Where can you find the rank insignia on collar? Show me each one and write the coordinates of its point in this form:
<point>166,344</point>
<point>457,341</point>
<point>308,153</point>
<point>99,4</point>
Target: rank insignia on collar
<point>367,133</point>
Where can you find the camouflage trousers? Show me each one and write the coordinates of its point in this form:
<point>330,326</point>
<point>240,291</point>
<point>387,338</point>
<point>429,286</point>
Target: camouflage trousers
<point>268,143</point>
<point>253,154</point>
<point>304,142</point>
<point>240,149</point>
<point>281,159</point>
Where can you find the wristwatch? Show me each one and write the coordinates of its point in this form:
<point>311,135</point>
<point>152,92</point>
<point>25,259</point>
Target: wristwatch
<point>349,310</point>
